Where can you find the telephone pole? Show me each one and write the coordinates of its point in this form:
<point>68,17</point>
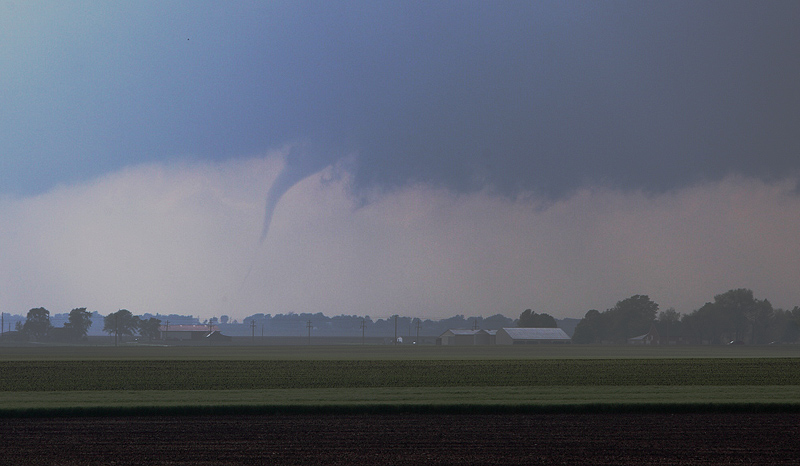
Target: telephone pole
<point>308,326</point>
<point>363,326</point>
<point>419,325</point>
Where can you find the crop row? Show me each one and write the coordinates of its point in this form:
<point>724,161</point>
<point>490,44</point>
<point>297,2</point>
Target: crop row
<point>253,375</point>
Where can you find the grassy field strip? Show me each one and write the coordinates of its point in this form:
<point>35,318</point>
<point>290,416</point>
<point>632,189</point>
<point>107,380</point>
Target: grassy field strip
<point>388,352</point>
<point>442,396</point>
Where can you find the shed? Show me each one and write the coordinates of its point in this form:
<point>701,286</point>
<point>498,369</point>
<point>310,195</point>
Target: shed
<point>186,332</point>
<point>462,337</point>
<point>528,336</point>
<point>217,336</point>
<point>660,334</point>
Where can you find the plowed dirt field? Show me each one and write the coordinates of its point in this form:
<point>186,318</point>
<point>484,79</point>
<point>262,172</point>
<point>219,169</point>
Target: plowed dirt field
<point>413,439</point>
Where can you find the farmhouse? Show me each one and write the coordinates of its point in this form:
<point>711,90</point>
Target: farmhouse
<point>529,336</point>
<point>463,337</point>
<point>186,332</point>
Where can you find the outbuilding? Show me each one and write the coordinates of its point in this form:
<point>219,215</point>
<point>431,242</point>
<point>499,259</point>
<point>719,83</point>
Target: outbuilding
<point>660,334</point>
<point>186,332</point>
<point>531,336</point>
<point>462,337</point>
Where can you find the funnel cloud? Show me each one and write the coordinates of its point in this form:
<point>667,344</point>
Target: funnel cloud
<point>301,162</point>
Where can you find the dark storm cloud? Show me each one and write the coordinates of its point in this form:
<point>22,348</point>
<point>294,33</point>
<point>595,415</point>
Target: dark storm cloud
<point>548,97</point>
<point>541,96</point>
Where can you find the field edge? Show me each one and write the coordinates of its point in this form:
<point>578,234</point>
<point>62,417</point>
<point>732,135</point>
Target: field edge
<point>388,409</point>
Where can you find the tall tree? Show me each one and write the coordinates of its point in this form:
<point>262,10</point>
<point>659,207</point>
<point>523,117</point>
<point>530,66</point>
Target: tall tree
<point>631,317</point>
<point>590,329</point>
<point>149,328</point>
<point>783,327</point>
<point>745,316</point>
<point>78,323</point>
<point>37,323</point>
<point>120,323</point>
<point>530,319</point>
<point>669,325</point>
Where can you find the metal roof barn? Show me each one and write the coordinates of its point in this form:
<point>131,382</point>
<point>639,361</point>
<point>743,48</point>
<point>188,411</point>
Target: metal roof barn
<point>527,336</point>
<point>464,337</point>
<point>186,332</point>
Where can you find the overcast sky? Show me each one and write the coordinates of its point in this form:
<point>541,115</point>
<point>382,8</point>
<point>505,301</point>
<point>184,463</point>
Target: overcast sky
<point>420,158</point>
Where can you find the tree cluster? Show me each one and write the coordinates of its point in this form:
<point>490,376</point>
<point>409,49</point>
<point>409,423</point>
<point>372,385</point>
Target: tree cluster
<point>530,319</point>
<point>122,323</point>
<point>628,318</point>
<point>733,316</point>
<point>737,316</point>
<point>37,326</point>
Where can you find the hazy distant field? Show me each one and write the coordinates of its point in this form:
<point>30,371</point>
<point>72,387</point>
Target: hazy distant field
<point>50,379</point>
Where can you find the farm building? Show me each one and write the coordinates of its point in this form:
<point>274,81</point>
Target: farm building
<point>186,332</point>
<point>463,337</point>
<point>217,336</point>
<point>528,336</point>
<point>660,334</point>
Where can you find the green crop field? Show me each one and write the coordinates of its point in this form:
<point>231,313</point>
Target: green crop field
<point>49,380</point>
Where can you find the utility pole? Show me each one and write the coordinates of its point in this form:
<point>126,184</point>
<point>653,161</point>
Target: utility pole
<point>308,326</point>
<point>166,331</point>
<point>419,325</point>
<point>395,329</point>
<point>253,328</point>
<point>363,326</point>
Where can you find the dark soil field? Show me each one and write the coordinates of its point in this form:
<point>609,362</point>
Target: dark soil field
<point>405,439</point>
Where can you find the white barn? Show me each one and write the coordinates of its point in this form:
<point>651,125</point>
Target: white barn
<point>531,336</point>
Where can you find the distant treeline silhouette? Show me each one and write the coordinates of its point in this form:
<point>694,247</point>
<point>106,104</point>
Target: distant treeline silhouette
<point>735,316</point>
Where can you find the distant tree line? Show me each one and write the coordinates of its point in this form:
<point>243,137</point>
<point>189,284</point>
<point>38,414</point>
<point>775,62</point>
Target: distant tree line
<point>351,325</point>
<point>37,326</point>
<point>735,316</point>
